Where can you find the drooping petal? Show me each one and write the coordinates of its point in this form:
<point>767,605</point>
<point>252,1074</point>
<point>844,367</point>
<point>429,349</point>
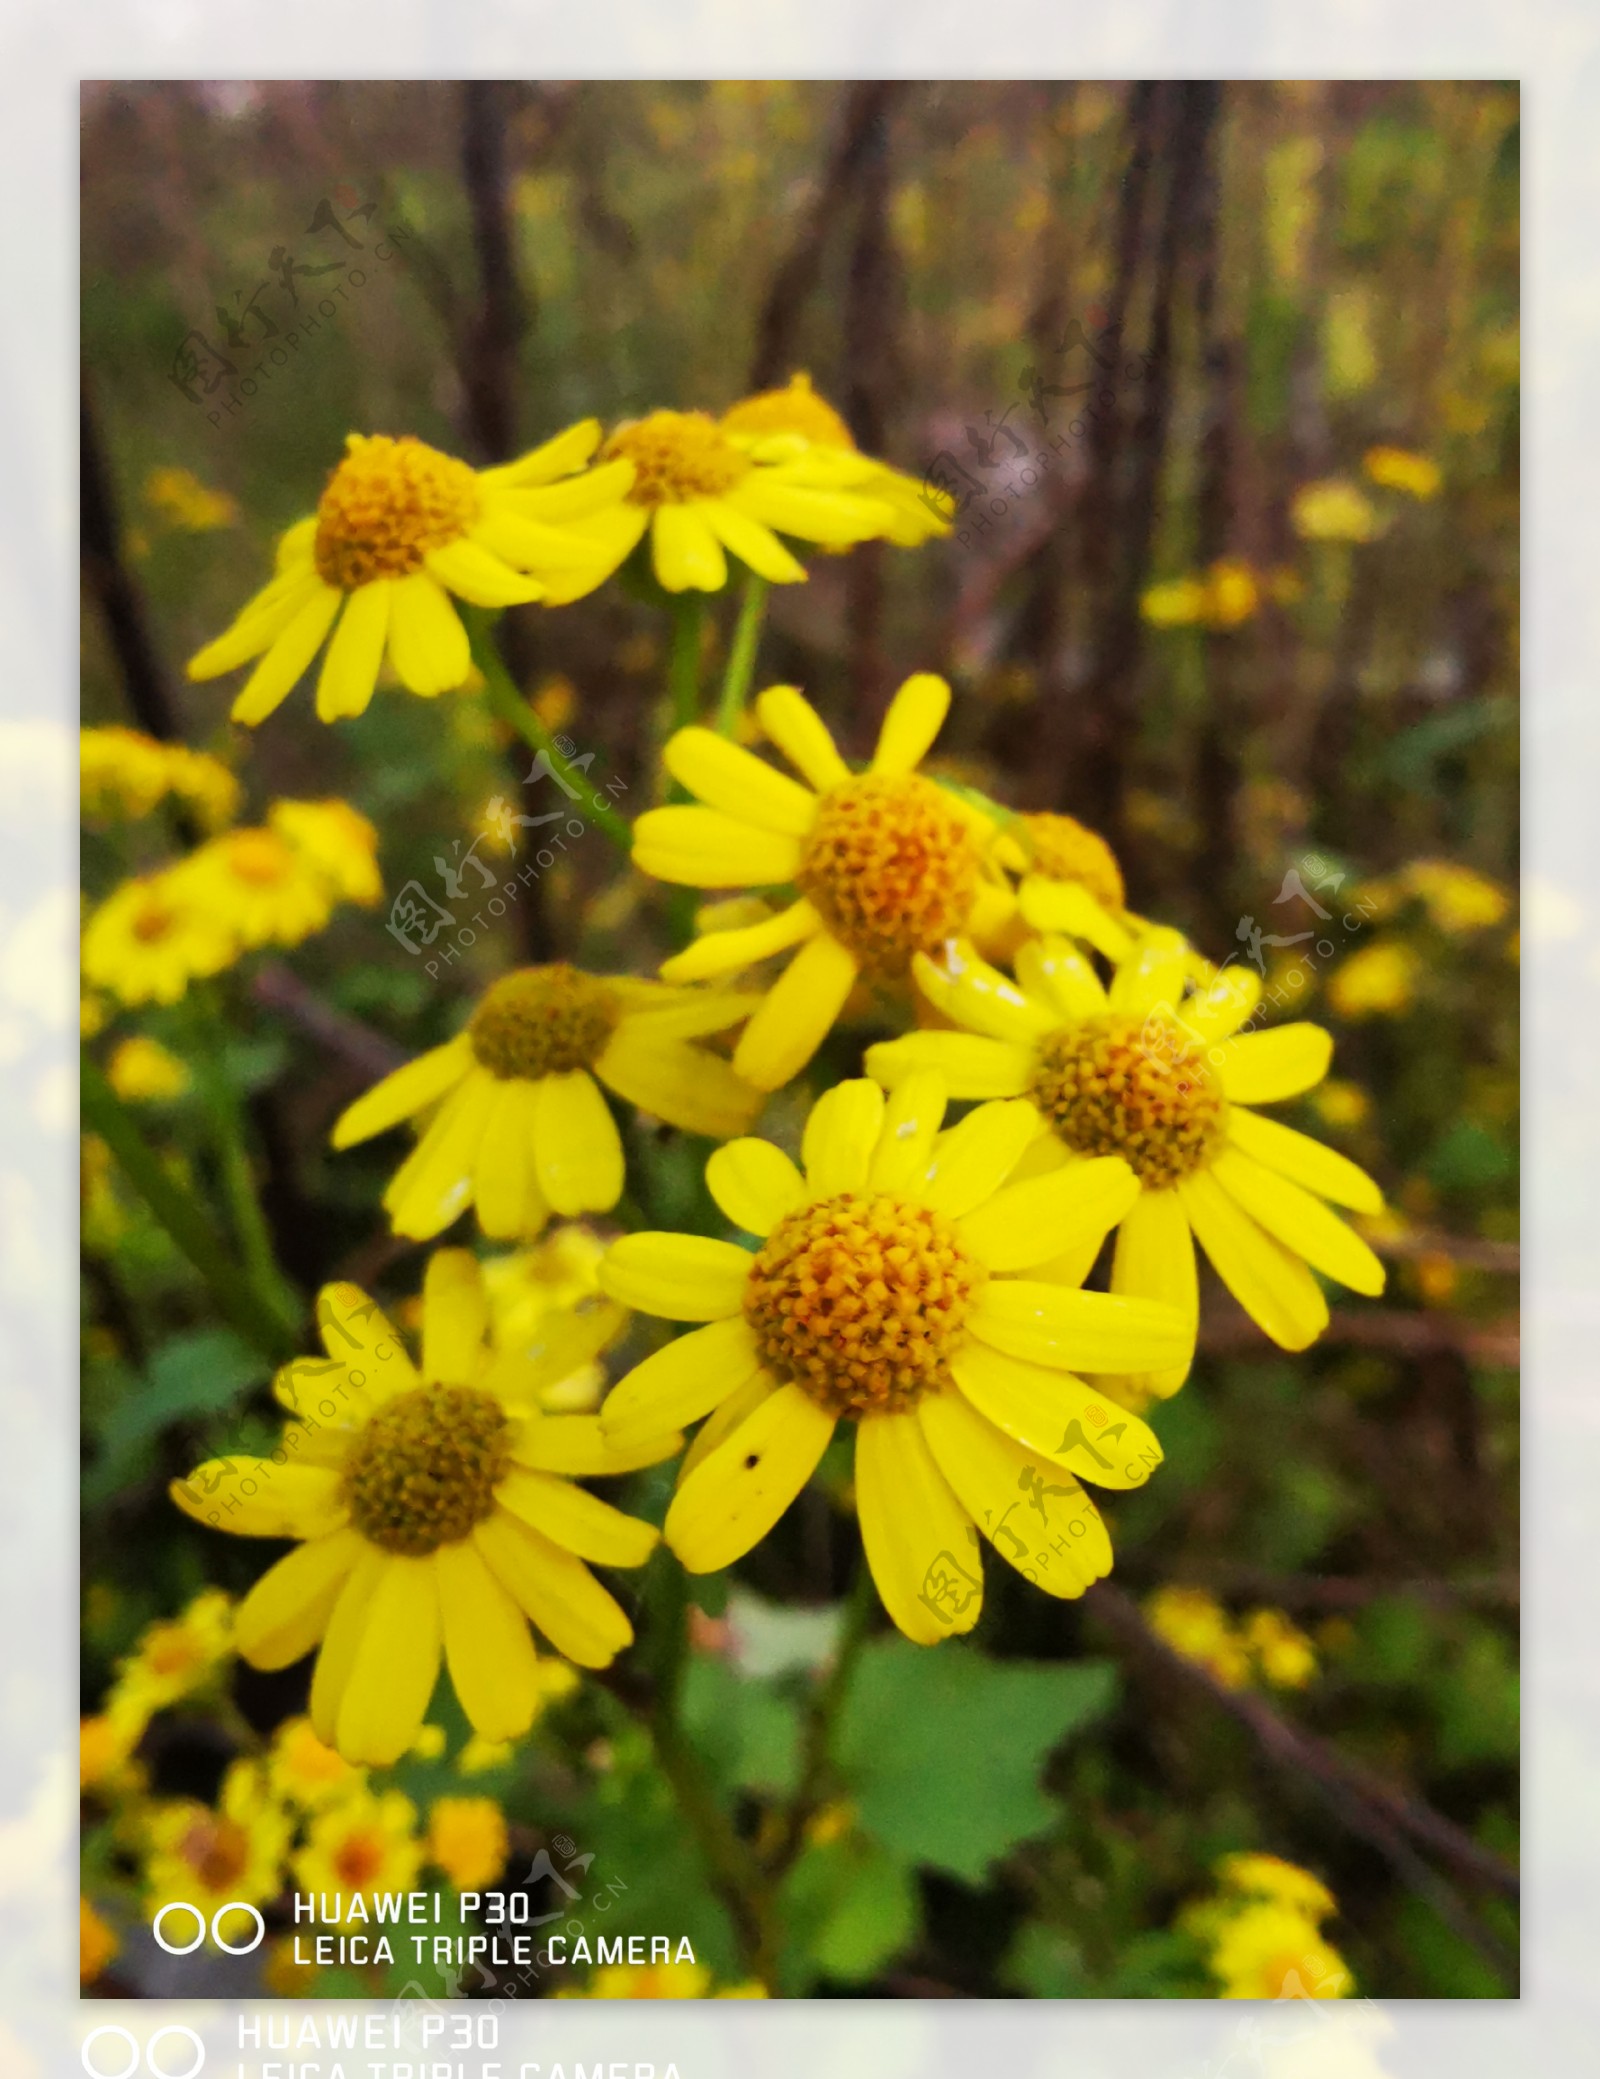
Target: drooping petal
<point>396,1664</point>
<point>685,1085</point>
<point>1273,1285</point>
<point>968,1064</point>
<point>1053,971</point>
<point>344,1633</point>
<point>487,1645</point>
<point>910,1130</point>
<point>257,625</point>
<point>292,650</point>
<point>254,1498</point>
<point>1154,1259</point>
<point>1056,1414</point>
<point>975,1158</point>
<point>725,952</point>
<point>753,543</point>
<point>504,1168</point>
<point>680,1277</point>
<point>579,1617</point>
<point>404,1093</point>
<point>577,1150</point>
<point>980,998</point>
<point>796,1013</point>
<point>576,1520</point>
<point>1035,1515</point>
<point>703,848</point>
<point>679,1384</point>
<point>794,725</point>
<point>455,1318</point>
<point>1262,1067</point>
<point>1302,1223</point>
<point>915,717</point>
<point>685,552</point>
<point>915,1531</point>
<point>725,776</point>
<point>349,672</point>
<point>559,456</point>
<point>432,1185</point>
<point>737,1492</point>
<point>427,643</point>
<point>287,1611</point>
<point>1084,1331</point>
<point>1304,1160</point>
<point>482,579</point>
<point>754,1183</point>
<point>840,1136</point>
<point>1069,1208</point>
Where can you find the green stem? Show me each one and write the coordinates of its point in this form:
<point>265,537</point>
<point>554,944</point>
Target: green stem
<point>221,1100</point>
<point>507,702</point>
<point>683,666</point>
<point>742,655</point>
<point>825,1708</point>
<point>252,1312</point>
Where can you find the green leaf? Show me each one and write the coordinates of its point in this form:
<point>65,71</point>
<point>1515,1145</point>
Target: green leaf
<point>943,1747</point>
<point>849,1906</point>
<point>748,1733</point>
<point>193,1375</point>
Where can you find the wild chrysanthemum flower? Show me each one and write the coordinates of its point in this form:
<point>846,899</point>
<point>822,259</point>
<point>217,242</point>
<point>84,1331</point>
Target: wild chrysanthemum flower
<point>210,1858</point>
<point>306,1772</point>
<point>468,1840</point>
<point>699,494</point>
<point>517,1124</point>
<point>436,1515</point>
<point>264,891</point>
<point>152,937</point>
<point>796,421</point>
<point>1399,469</point>
<point>400,530</point>
<point>529,1285</point>
<point>142,1071</point>
<point>174,1658</point>
<point>97,1943</point>
<point>1262,1932</point>
<point>364,1845</point>
<point>1334,509</point>
<point>1144,1071</point>
<point>884,1293</point>
<point>886,863</point>
<point>121,772</point>
<point>336,841</point>
<point>1376,981</point>
<point>1069,881</point>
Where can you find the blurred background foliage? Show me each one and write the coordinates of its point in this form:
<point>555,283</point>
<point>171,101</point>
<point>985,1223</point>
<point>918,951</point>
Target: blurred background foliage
<point>1217,625</point>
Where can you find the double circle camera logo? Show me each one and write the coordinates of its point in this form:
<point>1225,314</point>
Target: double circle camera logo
<point>100,2062</point>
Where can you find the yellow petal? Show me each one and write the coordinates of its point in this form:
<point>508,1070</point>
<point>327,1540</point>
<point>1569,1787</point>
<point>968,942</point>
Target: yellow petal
<point>968,1065</point>
<point>840,1136</point>
<point>1035,1515</point>
<point>396,1664</point>
<point>1069,908</point>
<point>1056,1414</point>
<point>678,1384</point>
<point>910,1130</point>
<point>472,573</point>
<point>1223,1005</point>
<point>356,1331</point>
<point>579,1617</point>
<point>292,650</point>
<point>254,1498</point>
<point>427,643</point>
<point>793,724</point>
<point>685,552</point>
<point>1070,1208</point>
<point>973,994</point>
<point>287,1611</point>
<point>680,1277</point>
<point>915,717</point>
<point>725,952</point>
<point>559,456</point>
<point>724,1419</point>
<point>831,517</point>
<point>753,543</point>
<point>1261,1067</point>
<point>343,1636</point>
<point>1154,1259</point>
<point>754,1183</point>
<point>349,672</point>
<point>504,1170</point>
<point>455,1318</point>
<point>796,1013</point>
<point>914,1531</point>
<point>737,1492</point>
<point>258,624</point>
<point>576,1520</point>
<point>1302,1223</point>
<point>406,1092</point>
<point>1273,1286</point>
<point>577,1150</point>
<point>1305,1161</point>
<point>725,777</point>
<point>687,1086</point>
<point>1152,978</point>
<point>703,848</point>
<point>974,1158</point>
<point>577,1445</point>
<point>1053,971</point>
<point>487,1645</point>
<point>1085,1331</point>
<point>434,1183</point>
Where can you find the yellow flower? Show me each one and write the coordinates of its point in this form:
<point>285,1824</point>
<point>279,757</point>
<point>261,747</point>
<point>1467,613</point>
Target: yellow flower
<point>883,1293</point>
<point>699,494</point>
<point>305,1772</point>
<point>1457,899</point>
<point>1286,1657</point>
<point>1341,1104</point>
<point>105,1746</point>
<point>516,1123</point>
<point>142,1071</point>
<point>1226,596</point>
<point>886,863</point>
<point>528,1286</point>
<point>363,1845</point>
<point>336,841</point>
<point>121,772</point>
<point>795,420</point>
<point>1271,1952</point>
<point>210,1858</point>
<point>1196,1625</point>
<point>436,1513</point>
<point>468,1840</point>
<point>152,937</point>
<point>1375,981</point>
<point>263,890</point>
<point>1065,865</point>
<point>1169,1082</point>
<point>1333,510</point>
<point>1397,469</point>
<point>1282,1883</point>
<point>173,1659</point>
<point>97,1943</point>
<point>180,499</point>
<point>1178,602</point>
<point>661,1981</point>
<point>429,1745</point>
<point>399,529</point>
<point>210,789</point>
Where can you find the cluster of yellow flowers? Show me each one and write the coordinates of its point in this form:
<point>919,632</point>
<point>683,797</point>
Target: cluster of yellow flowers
<point>123,773</point>
<point>1262,1932</point>
<point>1264,1645</point>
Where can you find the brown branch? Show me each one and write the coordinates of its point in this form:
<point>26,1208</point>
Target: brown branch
<point>1229,1332</point>
<point>1471,1252</point>
<point>279,988</point>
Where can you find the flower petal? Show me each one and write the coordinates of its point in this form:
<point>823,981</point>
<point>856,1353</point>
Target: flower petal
<point>915,717</point>
<point>967,1064</point>
<point>1086,1331</point>
<point>292,650</point>
<point>1224,1004</point>
<point>677,1385</point>
<point>579,1617</point>
<point>1153,975</point>
<point>1306,1161</point>
<point>455,1318</point>
<point>1262,1067</point>
<point>754,1183</point>
<point>481,578</point>
<point>487,1646</point>
<point>1302,1223</point>
<point>1053,971</point>
<point>1069,908</point>
<point>793,724</point>
<point>349,672</point>
<point>427,643</point>
<point>1054,1537</point>
<point>434,1183</point>
<point>753,543</point>
<point>703,848</point>
<point>577,1150</point>
<point>407,1091</point>
<point>726,777</point>
<point>840,1136</point>
<point>979,997</point>
<point>395,1666</point>
<point>1069,1208</point>
<point>577,1445</point>
<point>1154,1259</point>
<point>257,625</point>
<point>796,1013</point>
<point>680,1277</point>
<point>737,1492</point>
<point>724,952</point>
<point>1273,1286</point>
<point>1056,1414</point>
<point>254,1498</point>
<point>974,1158</point>
<point>287,1611</point>
<point>687,1086</point>
<point>576,1520</point>
<point>358,1334</point>
<point>685,552</point>
<point>724,1419</point>
<point>914,1531</point>
<point>909,1133</point>
<point>504,1168</point>
<point>341,1639</point>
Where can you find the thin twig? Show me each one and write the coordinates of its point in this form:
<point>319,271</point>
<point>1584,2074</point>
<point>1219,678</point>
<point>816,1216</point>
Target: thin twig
<point>1229,1332</point>
<point>279,988</point>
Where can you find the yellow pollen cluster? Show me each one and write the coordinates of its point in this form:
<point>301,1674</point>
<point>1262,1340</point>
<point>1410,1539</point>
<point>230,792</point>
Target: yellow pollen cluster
<point>676,456</point>
<point>797,409</point>
<point>424,1470</point>
<point>1067,850</point>
<point>1116,1086</point>
<point>542,1021</point>
<point>217,1850</point>
<point>891,866</point>
<point>861,1301</point>
<point>386,506</point>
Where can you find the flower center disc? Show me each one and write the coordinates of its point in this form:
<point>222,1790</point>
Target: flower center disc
<point>1116,1086</point>
<point>1066,850</point>
<point>676,456</point>
<point>861,1301</point>
<point>217,1850</point>
<point>542,1021</point>
<point>796,409</point>
<point>424,1470</point>
<point>891,866</point>
<point>259,857</point>
<point>387,505</point>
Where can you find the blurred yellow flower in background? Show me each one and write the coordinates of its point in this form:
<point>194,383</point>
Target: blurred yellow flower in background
<point>105,1750</point>
<point>1223,597</point>
<point>336,842</point>
<point>305,1772</point>
<point>1398,469</point>
<point>1458,899</point>
<point>468,1840</point>
<point>1334,510</point>
<point>1262,1932</point>
<point>1281,1650</point>
<point>174,1658</point>
<point>210,1858</point>
<point>152,937</point>
<point>1376,981</point>
<point>364,1844</point>
<point>1195,1624</point>
<point>661,1981</point>
<point>142,1071</point>
<point>178,497</point>
<point>97,1943</point>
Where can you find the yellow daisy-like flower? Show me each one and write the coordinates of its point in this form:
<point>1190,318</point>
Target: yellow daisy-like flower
<point>1334,509</point>
<point>400,531</point>
<point>361,1846</point>
<point>795,420</point>
<point>517,1125</point>
<point>211,1858</point>
<point>173,1659</point>
<point>142,1071</point>
<point>1195,1624</point>
<point>152,937</point>
<point>437,1514</point>
<point>97,1943</point>
<point>337,841</point>
<point>468,1840</point>
<point>1399,469</point>
<point>884,1293</point>
<point>1169,1082</point>
<point>1376,981</point>
<point>885,863</point>
<point>121,772</point>
<point>306,1772</point>
<point>264,891</point>
<point>1268,1952</point>
<point>529,1285</point>
<point>699,494</point>
<point>1069,881</point>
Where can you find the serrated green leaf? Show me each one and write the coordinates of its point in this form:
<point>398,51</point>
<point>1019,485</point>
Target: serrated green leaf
<point>849,1906</point>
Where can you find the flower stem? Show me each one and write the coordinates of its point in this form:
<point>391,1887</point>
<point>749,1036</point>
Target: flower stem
<point>683,666</point>
<point>254,1313</point>
<point>507,702</point>
<point>742,654</point>
<point>826,1705</point>
<point>221,1101</point>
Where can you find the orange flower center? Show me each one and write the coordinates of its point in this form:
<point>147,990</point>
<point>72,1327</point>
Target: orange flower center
<point>387,505</point>
<point>676,456</point>
<point>424,1470</point>
<point>1142,1090</point>
<point>1067,850</point>
<point>357,1860</point>
<point>861,1301</point>
<point>259,857</point>
<point>891,866</point>
<point>543,1021</point>
<point>217,1850</point>
<point>153,921</point>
